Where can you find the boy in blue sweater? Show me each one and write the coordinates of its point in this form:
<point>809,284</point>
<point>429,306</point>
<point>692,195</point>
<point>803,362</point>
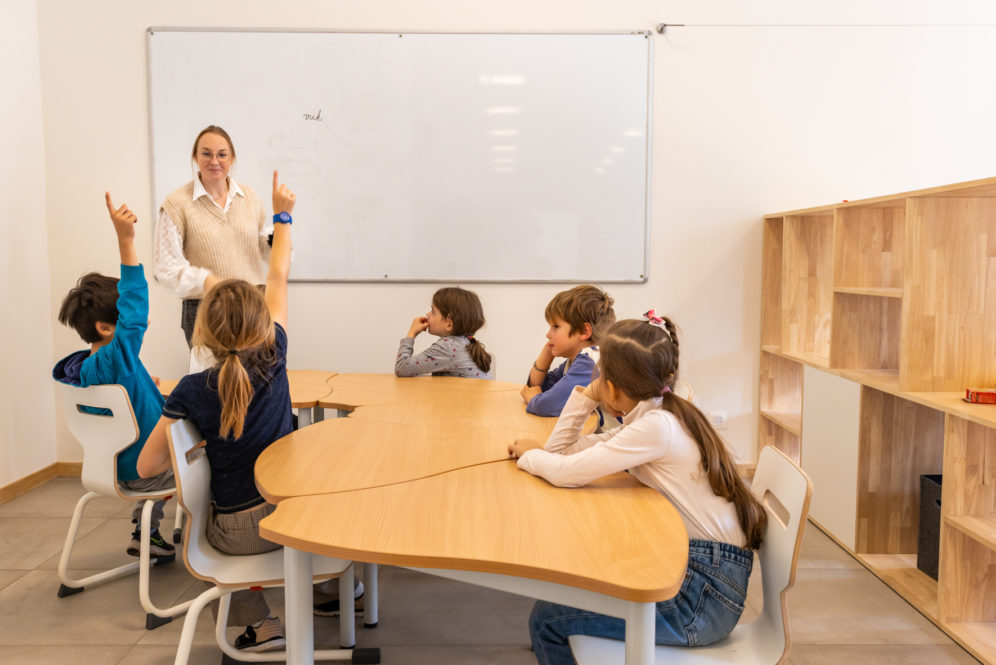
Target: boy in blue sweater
<point>577,317</point>
<point>112,316</point>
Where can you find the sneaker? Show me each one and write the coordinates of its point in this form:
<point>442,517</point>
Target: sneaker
<point>266,636</point>
<point>157,544</point>
<point>330,608</point>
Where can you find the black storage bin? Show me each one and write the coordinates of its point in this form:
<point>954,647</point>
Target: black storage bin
<point>928,537</point>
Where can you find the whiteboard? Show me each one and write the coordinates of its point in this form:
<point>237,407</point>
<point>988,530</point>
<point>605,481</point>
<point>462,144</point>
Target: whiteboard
<point>424,157</point>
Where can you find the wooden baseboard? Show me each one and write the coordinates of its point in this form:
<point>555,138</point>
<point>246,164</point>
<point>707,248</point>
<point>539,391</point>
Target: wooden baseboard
<point>28,483</point>
<point>69,469</point>
<point>40,477</point>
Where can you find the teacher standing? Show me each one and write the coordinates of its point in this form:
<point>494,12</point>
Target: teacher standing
<point>210,229</point>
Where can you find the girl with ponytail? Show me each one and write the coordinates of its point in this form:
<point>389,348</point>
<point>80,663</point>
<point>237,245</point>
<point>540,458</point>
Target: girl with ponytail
<point>668,444</point>
<point>240,405</point>
<point>455,316</point>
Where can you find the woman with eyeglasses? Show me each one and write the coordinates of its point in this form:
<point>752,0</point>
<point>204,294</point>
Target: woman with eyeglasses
<point>210,229</point>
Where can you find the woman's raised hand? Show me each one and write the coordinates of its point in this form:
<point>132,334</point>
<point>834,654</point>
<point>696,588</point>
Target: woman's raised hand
<point>283,198</point>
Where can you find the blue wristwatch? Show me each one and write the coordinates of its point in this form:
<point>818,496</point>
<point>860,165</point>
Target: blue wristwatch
<point>282,218</point>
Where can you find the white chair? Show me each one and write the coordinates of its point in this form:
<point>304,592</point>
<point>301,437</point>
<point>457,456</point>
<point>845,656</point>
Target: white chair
<point>785,490</point>
<point>103,436</point>
<point>230,573</point>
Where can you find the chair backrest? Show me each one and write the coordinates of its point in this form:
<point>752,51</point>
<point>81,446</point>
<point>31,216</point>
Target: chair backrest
<point>785,490</point>
<point>102,420</point>
<point>193,485</point>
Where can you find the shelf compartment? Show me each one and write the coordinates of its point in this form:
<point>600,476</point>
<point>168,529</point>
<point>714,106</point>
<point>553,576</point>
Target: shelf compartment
<point>899,440</point>
<point>865,332</point>
<point>869,246</point>
<point>967,577</point>
<point>781,386</point>
<point>949,302</point>
<point>771,282</point>
<point>806,289</point>
<point>772,434</point>
<point>899,571</point>
<point>969,488</point>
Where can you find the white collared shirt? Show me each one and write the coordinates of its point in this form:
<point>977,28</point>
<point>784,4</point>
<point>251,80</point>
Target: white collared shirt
<point>171,267</point>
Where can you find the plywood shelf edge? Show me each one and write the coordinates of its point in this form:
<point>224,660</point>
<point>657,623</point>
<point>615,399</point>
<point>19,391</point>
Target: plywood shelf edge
<point>979,529</point>
<point>791,422</point>
<point>874,291</point>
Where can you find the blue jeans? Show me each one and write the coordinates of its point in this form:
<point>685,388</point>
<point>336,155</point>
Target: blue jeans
<point>704,611</point>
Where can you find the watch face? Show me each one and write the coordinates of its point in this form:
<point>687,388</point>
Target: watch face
<point>284,217</point>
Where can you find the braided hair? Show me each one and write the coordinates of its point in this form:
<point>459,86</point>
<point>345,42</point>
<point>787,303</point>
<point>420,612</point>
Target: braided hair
<point>640,358</point>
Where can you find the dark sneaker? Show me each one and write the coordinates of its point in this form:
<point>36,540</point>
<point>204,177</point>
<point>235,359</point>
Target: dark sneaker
<point>157,545</point>
<point>267,636</point>
<point>330,608</point>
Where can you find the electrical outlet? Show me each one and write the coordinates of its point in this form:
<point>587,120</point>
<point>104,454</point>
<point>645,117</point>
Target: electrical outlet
<point>718,419</point>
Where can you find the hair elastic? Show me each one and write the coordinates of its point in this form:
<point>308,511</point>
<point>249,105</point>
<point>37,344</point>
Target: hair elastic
<point>665,389</point>
<point>470,339</point>
<point>233,352</point>
<point>653,319</point>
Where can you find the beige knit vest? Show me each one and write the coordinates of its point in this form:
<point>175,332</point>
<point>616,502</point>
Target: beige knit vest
<point>226,243</point>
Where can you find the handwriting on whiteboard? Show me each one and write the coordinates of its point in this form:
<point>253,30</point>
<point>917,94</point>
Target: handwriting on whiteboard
<point>314,116</point>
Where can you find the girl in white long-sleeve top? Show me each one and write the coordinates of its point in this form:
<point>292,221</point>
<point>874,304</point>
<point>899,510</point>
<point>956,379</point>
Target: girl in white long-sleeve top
<point>668,444</point>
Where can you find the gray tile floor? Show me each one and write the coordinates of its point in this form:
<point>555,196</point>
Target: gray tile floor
<point>840,613</point>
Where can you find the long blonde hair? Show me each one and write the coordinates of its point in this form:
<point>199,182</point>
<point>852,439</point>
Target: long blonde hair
<point>641,360</point>
<point>234,323</point>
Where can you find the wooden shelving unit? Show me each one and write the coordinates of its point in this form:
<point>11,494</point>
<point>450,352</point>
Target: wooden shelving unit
<point>895,296</point>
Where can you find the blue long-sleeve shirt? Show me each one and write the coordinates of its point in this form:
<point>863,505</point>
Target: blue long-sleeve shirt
<point>118,362</point>
<point>560,382</point>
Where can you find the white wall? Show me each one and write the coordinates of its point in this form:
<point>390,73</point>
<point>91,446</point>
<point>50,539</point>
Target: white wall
<point>747,120</point>
<point>27,436</point>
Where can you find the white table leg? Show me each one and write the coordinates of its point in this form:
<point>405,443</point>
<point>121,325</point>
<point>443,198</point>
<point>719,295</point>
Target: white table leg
<point>298,605</point>
<point>370,606</point>
<point>319,414</point>
<point>347,610</point>
<point>640,634</point>
<point>303,418</point>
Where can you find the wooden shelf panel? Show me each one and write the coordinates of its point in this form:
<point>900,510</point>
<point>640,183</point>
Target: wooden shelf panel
<point>886,380</point>
<point>874,291</point>
<point>980,529</point>
<point>899,571</point>
<point>949,304</point>
<point>806,288</point>
<point>816,360</point>
<point>978,638</point>
<point>955,404</point>
<point>789,421</point>
<point>983,188</point>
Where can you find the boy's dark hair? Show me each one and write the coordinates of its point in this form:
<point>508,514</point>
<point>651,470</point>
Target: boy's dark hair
<point>93,299</point>
<point>583,304</point>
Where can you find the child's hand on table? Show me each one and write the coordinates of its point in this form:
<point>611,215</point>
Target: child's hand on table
<point>529,392</point>
<point>518,447</point>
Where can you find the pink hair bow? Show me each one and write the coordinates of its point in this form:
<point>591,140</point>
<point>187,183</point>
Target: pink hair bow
<point>653,319</point>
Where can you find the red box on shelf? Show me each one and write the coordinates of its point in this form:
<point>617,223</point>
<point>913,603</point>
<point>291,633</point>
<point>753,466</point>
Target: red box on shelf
<point>980,395</point>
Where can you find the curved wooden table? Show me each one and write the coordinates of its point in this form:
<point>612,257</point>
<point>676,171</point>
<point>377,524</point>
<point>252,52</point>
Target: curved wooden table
<point>425,482</point>
<point>349,391</point>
